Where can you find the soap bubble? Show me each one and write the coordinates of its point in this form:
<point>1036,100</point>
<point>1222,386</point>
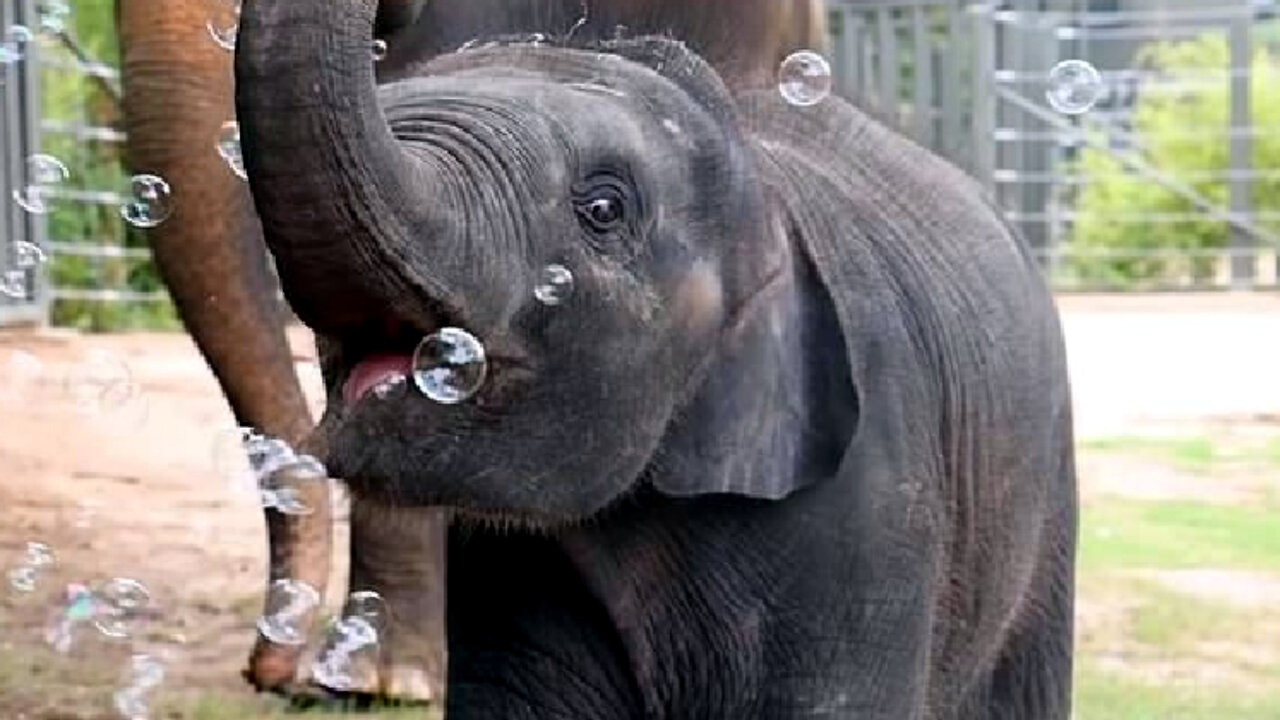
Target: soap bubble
<point>21,374</point>
<point>122,604</point>
<point>449,366</point>
<point>555,285</point>
<point>79,606</point>
<point>289,604</point>
<point>347,641</point>
<point>1074,87</point>
<point>224,26</point>
<point>370,606</point>
<point>53,16</point>
<point>390,386</point>
<point>14,284</point>
<point>150,201</point>
<point>805,78</point>
<point>266,468</point>
<point>102,382</point>
<point>14,45</point>
<point>44,173</point>
<point>379,50</point>
<point>28,255</point>
<point>144,675</point>
<point>25,576</point>
<point>229,148</point>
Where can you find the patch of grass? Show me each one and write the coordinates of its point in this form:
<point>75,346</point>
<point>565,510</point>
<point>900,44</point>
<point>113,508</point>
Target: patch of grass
<point>1176,535</point>
<point>1103,695</point>
<point>1201,456</point>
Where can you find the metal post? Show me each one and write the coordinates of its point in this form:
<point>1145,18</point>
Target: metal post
<point>984,99</point>
<point>1243,261</point>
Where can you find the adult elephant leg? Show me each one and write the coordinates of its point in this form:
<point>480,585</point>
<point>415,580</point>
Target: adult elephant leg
<point>178,92</point>
<point>400,553</point>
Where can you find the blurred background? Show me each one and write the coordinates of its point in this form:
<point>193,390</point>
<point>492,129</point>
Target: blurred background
<point>1155,216</point>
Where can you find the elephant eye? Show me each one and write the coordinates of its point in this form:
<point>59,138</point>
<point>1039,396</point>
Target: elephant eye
<point>604,204</point>
<point>604,212</point>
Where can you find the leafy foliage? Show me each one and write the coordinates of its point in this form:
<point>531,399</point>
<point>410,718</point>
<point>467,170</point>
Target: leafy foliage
<point>71,100</point>
<point>1182,126</point>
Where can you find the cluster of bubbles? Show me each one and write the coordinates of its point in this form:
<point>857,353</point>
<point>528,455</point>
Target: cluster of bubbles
<point>350,640</point>
<point>115,609</point>
<point>53,15</point>
<point>267,467</point>
<point>148,203</point>
<point>98,384</point>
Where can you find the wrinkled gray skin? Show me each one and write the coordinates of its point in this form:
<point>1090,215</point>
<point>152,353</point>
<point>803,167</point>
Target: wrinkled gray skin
<point>799,444</point>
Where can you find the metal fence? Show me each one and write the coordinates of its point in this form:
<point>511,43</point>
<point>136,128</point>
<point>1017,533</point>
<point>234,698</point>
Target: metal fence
<point>20,104</point>
<point>1171,182</point>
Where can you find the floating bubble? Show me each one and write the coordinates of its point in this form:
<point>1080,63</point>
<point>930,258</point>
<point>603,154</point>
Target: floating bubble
<point>28,255</point>
<point>555,285</point>
<point>370,606</point>
<point>44,174</point>
<point>347,641</point>
<point>449,366</point>
<point>265,468</point>
<point>53,16</point>
<point>289,605</point>
<point>379,50</point>
<point>14,46</point>
<point>1074,87</point>
<point>224,26</point>
<point>804,78</point>
<point>122,604</point>
<point>23,579</point>
<point>25,576</point>
<point>21,374</point>
<point>101,383</point>
<point>389,387</point>
<point>229,148</point>
<point>14,284</point>
<point>150,203</point>
<point>79,606</point>
<point>144,675</point>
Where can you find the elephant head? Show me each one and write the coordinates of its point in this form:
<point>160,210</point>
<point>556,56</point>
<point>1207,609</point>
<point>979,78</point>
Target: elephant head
<point>437,201</point>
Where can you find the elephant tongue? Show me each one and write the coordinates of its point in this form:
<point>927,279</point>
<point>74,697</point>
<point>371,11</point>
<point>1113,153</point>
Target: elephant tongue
<point>373,371</point>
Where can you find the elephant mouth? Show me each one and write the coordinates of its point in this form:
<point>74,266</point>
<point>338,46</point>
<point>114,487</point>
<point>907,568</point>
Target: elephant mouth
<point>380,355</point>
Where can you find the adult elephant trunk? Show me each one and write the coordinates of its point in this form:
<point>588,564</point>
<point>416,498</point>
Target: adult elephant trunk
<point>338,195</point>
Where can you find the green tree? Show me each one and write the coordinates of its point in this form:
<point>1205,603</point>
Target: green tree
<point>1183,131</point>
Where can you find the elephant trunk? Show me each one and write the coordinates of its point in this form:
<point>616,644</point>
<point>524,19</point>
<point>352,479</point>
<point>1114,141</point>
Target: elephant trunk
<point>338,196</point>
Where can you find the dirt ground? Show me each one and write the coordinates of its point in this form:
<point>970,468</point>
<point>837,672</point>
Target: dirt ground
<point>132,490</point>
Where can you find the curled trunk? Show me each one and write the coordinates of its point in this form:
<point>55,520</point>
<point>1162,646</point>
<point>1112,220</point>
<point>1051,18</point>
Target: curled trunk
<point>331,184</point>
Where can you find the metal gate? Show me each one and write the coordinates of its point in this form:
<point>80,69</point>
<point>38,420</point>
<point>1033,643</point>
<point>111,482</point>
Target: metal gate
<point>19,138</point>
<point>968,79</point>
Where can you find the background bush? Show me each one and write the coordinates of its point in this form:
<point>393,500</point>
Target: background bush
<point>1181,130</point>
<point>71,97</point>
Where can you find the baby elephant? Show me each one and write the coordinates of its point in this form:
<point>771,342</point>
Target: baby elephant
<point>795,441</point>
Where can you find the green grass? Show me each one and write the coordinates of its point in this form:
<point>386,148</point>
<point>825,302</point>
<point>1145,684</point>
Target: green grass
<point>1101,695</point>
<point>1195,455</point>
<point>1172,535</point>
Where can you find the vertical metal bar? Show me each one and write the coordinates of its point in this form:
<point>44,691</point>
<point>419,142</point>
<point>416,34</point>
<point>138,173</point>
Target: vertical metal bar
<point>922,101</point>
<point>1240,190</point>
<point>954,58</point>
<point>37,225</point>
<point>887,40</point>
<point>985,102</point>
<point>854,50</point>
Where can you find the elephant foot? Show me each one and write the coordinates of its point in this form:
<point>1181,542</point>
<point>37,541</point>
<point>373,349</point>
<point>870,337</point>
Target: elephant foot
<point>398,685</point>
<point>272,667</point>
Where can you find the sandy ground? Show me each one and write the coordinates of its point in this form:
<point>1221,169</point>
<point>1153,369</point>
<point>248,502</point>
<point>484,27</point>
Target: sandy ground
<point>132,490</point>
